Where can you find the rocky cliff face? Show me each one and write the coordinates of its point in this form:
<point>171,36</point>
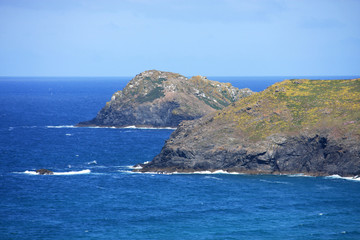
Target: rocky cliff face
<point>163,99</point>
<point>296,126</point>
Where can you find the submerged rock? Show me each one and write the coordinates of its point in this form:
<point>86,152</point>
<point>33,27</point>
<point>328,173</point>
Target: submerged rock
<point>296,126</point>
<point>44,172</point>
<point>164,99</point>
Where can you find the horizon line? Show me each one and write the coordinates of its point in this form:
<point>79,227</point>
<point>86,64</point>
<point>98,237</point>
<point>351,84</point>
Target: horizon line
<point>330,75</point>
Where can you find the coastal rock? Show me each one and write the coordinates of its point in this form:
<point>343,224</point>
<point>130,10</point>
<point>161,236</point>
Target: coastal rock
<point>164,99</point>
<point>309,127</point>
<point>44,172</point>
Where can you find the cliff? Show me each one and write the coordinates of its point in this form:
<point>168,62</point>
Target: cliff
<point>163,99</point>
<point>295,126</point>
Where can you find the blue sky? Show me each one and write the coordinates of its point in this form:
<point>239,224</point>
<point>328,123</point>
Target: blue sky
<point>207,37</point>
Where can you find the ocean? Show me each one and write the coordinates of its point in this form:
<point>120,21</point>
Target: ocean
<point>94,194</point>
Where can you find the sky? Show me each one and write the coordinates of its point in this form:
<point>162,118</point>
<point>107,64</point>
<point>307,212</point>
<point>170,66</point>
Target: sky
<point>190,37</point>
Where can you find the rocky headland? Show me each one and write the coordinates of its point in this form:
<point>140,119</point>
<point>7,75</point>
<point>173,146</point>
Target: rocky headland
<point>295,126</point>
<point>164,99</point>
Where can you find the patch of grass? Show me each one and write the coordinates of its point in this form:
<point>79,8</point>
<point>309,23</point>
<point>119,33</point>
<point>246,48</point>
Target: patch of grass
<point>293,105</point>
<point>152,95</point>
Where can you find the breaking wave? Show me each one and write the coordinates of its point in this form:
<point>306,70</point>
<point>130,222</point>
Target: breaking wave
<point>151,128</point>
<point>335,176</point>
<point>61,126</point>
<point>86,171</point>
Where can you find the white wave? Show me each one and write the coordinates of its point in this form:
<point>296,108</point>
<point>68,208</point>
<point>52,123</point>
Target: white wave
<point>61,126</point>
<point>133,126</point>
<point>297,175</point>
<point>335,176</point>
<point>134,167</point>
<point>126,171</point>
<point>25,127</point>
<point>92,162</point>
<point>30,172</point>
<point>68,134</point>
<point>210,172</point>
<point>86,171</point>
<point>111,127</point>
<point>149,128</point>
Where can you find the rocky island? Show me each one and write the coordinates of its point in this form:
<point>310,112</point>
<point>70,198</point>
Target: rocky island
<point>295,126</point>
<point>164,99</point>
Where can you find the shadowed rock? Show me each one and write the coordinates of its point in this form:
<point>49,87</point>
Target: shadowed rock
<point>44,172</point>
<point>302,126</point>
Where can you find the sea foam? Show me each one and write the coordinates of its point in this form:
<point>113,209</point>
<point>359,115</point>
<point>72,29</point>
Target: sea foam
<point>61,126</point>
<point>86,171</point>
<point>149,128</point>
<point>335,176</point>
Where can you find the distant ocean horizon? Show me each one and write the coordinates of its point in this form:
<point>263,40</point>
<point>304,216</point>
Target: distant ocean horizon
<point>255,83</point>
<point>95,195</point>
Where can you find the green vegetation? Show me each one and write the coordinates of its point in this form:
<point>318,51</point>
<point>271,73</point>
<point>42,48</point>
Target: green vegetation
<point>152,95</point>
<point>221,92</point>
<point>294,105</point>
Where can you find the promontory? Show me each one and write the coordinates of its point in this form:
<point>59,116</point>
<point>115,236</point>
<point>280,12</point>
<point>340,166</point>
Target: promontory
<point>164,99</point>
<point>295,126</point>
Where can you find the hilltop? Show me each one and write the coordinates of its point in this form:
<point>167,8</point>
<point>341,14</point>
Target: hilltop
<point>164,99</point>
<point>295,126</point>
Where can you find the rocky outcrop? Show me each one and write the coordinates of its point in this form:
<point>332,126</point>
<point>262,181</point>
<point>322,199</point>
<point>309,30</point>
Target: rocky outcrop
<point>44,172</point>
<point>297,126</point>
<point>164,99</point>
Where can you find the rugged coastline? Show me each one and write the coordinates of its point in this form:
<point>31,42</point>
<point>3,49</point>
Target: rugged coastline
<point>295,126</point>
<point>164,99</point>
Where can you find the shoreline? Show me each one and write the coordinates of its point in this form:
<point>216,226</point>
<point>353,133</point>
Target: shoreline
<point>137,169</point>
<point>123,127</point>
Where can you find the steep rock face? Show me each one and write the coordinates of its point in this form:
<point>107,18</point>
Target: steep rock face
<point>163,99</point>
<point>297,126</point>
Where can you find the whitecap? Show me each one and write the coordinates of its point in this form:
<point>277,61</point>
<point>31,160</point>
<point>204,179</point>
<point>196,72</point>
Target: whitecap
<point>134,167</point>
<point>336,176</point>
<point>126,171</point>
<point>210,172</point>
<point>149,128</point>
<point>68,134</point>
<point>86,171</point>
<point>202,172</point>
<point>31,172</point>
<point>133,126</point>
<point>61,126</point>
<point>92,162</point>
<point>297,175</point>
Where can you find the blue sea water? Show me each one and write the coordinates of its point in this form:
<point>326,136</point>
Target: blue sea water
<point>96,196</point>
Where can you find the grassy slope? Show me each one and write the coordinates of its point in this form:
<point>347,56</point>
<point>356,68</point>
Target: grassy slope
<point>294,105</point>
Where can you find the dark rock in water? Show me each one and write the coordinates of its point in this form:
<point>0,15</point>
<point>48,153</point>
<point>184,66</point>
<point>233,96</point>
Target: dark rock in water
<point>44,172</point>
<point>302,126</point>
<point>164,99</point>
